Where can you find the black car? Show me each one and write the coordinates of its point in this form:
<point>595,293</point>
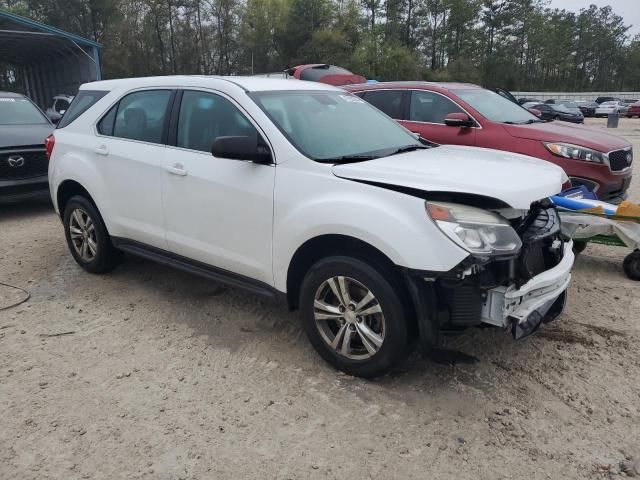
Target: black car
<point>587,108</point>
<point>523,100</point>
<point>23,157</point>
<point>550,111</point>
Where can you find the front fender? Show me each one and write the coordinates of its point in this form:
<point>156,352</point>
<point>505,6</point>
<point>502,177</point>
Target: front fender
<point>392,222</point>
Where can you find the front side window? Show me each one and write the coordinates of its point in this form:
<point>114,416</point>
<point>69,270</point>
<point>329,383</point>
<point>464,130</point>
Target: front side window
<point>138,116</point>
<point>430,107</point>
<point>328,126</point>
<point>494,107</point>
<point>19,111</point>
<point>387,101</point>
<point>80,104</point>
<point>206,116</point>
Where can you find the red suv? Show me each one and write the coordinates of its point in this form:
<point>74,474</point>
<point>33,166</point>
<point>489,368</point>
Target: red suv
<point>464,114</point>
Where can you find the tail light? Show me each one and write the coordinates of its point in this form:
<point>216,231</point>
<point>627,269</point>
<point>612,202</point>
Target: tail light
<point>49,142</point>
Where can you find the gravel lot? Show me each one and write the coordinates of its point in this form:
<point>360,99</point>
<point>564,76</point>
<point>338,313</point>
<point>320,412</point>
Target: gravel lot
<point>152,373</point>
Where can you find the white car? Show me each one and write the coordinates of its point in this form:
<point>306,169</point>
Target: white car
<point>607,108</point>
<point>302,191</point>
<point>59,106</point>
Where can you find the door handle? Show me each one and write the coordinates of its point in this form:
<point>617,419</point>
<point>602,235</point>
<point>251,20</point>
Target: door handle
<point>101,150</point>
<point>176,169</point>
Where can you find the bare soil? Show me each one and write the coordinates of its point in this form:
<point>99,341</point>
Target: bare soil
<point>151,373</point>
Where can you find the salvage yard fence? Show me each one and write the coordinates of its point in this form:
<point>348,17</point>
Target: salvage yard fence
<point>577,95</point>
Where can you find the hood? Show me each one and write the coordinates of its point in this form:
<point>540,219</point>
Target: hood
<point>593,138</point>
<point>516,180</point>
<point>23,135</point>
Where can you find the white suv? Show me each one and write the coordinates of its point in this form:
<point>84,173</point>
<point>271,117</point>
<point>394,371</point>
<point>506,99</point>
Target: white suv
<point>304,191</point>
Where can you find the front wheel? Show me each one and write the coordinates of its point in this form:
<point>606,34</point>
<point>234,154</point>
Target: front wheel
<point>354,317</point>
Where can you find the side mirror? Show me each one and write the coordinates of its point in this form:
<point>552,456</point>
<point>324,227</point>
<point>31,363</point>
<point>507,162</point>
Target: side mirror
<point>242,148</point>
<point>458,119</point>
<point>536,112</point>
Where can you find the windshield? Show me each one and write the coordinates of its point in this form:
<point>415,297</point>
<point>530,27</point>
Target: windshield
<point>19,111</point>
<point>561,108</point>
<point>495,107</point>
<point>327,126</point>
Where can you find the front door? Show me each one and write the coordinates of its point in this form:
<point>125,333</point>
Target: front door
<point>217,211</point>
<point>426,113</point>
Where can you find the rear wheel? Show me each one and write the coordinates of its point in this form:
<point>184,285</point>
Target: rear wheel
<point>87,237</point>
<point>353,316</point>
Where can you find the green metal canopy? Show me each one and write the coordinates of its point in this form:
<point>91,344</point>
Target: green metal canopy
<point>44,61</point>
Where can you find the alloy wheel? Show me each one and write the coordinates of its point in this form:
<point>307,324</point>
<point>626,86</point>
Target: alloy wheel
<point>83,234</point>
<point>349,318</point>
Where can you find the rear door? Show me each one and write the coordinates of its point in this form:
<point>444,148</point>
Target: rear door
<point>129,149</point>
<point>425,115</point>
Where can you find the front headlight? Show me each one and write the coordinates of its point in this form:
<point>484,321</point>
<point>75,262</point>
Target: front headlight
<point>478,231</point>
<point>575,152</point>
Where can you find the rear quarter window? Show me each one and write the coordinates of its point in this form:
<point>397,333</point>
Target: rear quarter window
<point>80,104</point>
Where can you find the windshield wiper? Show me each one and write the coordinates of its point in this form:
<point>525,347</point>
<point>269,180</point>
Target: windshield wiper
<point>408,148</point>
<point>348,159</point>
<point>364,157</point>
<point>528,122</point>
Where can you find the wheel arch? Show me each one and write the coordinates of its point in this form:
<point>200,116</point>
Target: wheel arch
<point>319,247</point>
<point>69,189</point>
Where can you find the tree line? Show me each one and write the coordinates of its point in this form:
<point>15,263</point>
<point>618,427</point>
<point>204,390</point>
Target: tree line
<point>514,44</point>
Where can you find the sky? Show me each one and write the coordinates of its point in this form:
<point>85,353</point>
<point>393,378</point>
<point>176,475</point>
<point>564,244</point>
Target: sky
<point>627,9</point>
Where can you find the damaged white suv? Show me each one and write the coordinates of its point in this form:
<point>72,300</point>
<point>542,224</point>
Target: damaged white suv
<point>301,190</point>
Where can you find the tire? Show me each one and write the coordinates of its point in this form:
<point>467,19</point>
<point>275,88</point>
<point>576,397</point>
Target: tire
<point>388,322</point>
<point>87,237</point>
<point>631,265</point>
<point>579,246</point>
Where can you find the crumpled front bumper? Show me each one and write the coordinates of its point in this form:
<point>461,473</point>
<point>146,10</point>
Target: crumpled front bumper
<point>540,300</point>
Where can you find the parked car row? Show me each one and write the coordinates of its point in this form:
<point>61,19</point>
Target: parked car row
<point>601,107</point>
<point>463,114</point>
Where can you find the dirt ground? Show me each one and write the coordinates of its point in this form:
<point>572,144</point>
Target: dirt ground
<point>153,373</point>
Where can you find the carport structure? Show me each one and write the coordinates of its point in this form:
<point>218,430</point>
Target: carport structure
<point>42,61</point>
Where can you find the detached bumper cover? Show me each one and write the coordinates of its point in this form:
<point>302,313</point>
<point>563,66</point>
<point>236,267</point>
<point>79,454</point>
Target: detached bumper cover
<point>541,299</point>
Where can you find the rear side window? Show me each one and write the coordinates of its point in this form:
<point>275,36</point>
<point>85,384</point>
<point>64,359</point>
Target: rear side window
<point>105,126</point>
<point>138,116</point>
<point>80,104</point>
<point>430,107</point>
<point>387,101</point>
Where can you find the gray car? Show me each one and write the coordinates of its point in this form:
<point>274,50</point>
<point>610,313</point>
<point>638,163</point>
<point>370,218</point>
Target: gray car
<point>23,158</point>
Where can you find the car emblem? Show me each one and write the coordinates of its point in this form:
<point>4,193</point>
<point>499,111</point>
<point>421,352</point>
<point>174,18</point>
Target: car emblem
<point>16,161</point>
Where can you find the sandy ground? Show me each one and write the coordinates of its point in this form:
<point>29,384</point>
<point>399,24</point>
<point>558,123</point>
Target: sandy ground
<point>152,373</point>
